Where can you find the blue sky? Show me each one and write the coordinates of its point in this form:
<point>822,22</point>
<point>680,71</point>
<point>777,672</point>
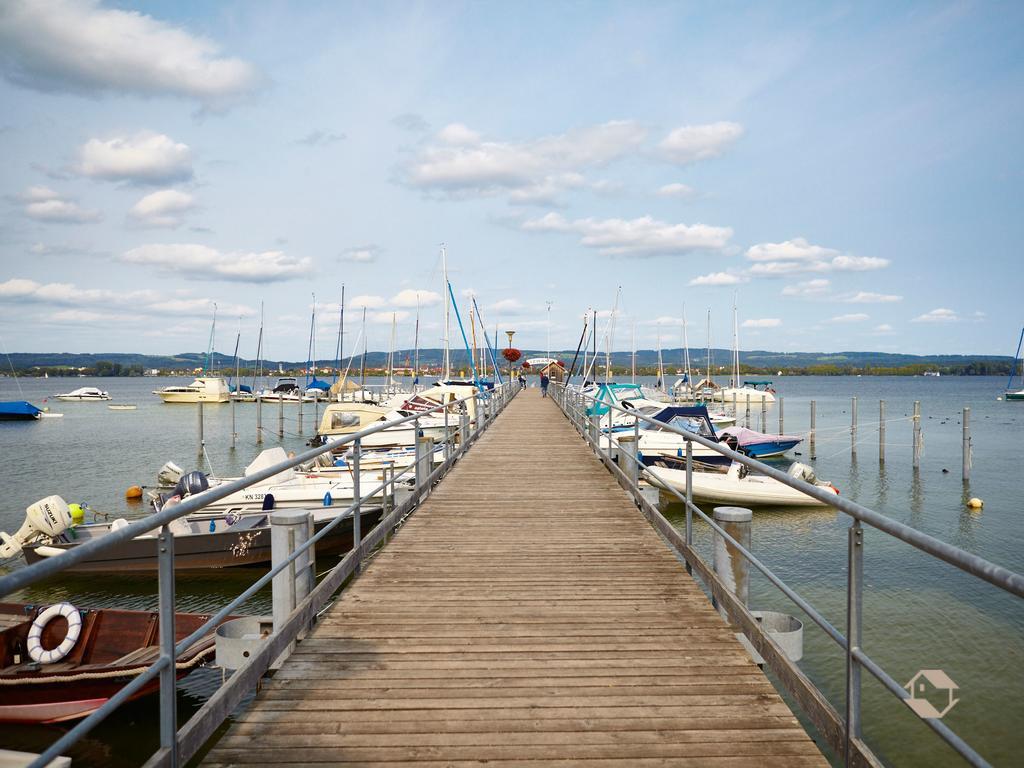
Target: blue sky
<point>851,172</point>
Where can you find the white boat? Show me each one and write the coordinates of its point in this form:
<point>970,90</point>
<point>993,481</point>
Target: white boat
<point>757,391</point>
<point>83,394</point>
<point>740,487</point>
<point>205,389</point>
<point>122,407</point>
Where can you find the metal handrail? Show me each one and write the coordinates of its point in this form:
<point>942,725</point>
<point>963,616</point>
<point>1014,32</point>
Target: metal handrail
<point>163,666</point>
<point>856,657</point>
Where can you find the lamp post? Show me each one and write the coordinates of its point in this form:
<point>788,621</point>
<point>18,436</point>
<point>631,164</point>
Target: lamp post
<point>549,303</point>
<point>510,334</point>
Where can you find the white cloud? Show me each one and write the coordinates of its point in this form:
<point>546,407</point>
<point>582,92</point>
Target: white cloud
<point>764,322</point>
<point>45,204</point>
<point>77,46</point>
<point>321,138</point>
<point>882,329</point>
<point>462,163</point>
<point>866,297</point>
<point>690,143</point>
<point>718,278</point>
<point>368,302</point>
<point>387,317</point>
<point>635,237</point>
<point>76,297</point>
<point>39,194</point>
<point>856,317</point>
<point>816,287</point>
<point>797,255</point>
<point>200,261</point>
<point>143,158</point>
<point>939,315</point>
<point>684,191</point>
<point>361,254</point>
<point>415,298</point>
<point>507,307</point>
<point>164,208</point>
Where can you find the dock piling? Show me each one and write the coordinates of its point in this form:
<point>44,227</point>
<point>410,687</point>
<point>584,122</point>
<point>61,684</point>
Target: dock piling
<point>764,415</point>
<point>881,431</point>
<point>917,435</point>
<point>746,415</point>
<point>259,420</point>
<point>966,476</point>
<point>357,497</point>
<point>810,434</point>
<point>853,428</point>
<point>280,417</point>
<point>300,412</point>
<point>730,565</point>
<point>202,441</point>
<point>234,434</point>
<point>782,431</point>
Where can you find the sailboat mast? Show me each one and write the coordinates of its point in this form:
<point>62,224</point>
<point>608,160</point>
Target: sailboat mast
<point>661,365</point>
<point>710,380</point>
<point>686,351</point>
<point>258,370</point>
<point>735,344</point>
<point>416,346</point>
<point>209,348</point>
<point>339,352</point>
<point>472,330</point>
<point>311,355</point>
<point>633,379</point>
<point>362,368</point>
<point>447,313</point>
<point>391,353</point>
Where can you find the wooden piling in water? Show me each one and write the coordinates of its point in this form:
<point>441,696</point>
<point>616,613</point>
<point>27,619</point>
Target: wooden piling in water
<point>881,431</point>
<point>966,475</point>
<point>810,434</point>
<point>781,430</point>
<point>853,428</point>
<point>202,441</point>
<point>917,434</point>
<point>280,417</point>
<point>259,420</point>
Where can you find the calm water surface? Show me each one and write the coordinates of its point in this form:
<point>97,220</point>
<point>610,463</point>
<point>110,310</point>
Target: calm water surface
<point>918,614</point>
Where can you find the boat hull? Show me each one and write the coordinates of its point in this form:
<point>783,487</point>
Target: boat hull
<point>1015,395</point>
<point>713,488</point>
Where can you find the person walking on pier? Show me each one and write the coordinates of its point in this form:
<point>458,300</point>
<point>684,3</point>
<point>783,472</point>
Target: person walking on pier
<point>544,384</point>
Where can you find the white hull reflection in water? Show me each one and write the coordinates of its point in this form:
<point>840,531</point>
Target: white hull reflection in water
<point>922,613</point>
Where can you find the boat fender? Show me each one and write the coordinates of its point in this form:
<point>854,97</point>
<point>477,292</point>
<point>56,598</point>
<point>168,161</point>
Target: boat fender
<point>35,647</point>
<point>327,499</point>
<point>268,502</point>
<point>45,551</point>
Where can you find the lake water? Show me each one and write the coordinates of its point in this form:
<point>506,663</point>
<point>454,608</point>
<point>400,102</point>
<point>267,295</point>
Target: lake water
<point>918,613</point>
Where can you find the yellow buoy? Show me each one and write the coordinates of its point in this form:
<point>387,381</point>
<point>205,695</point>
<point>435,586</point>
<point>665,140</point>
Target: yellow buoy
<point>77,513</point>
<point>135,492</point>
<point>975,503</point>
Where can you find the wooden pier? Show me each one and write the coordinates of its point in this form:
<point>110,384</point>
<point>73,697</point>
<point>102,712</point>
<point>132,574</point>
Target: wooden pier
<point>527,612</point>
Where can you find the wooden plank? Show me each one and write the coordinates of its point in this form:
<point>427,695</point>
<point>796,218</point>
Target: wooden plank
<point>548,623</point>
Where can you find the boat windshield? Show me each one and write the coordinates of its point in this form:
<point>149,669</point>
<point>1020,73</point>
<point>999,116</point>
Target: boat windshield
<point>696,424</point>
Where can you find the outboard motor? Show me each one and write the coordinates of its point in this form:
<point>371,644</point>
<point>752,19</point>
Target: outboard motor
<point>169,474</point>
<point>190,484</point>
<point>47,518</point>
<point>802,472</point>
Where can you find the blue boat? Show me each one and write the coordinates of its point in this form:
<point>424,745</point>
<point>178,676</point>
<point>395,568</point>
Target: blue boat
<point>19,410</point>
<point>757,444</point>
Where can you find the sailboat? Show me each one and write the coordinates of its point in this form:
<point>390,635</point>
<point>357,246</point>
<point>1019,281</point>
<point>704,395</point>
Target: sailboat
<point>1011,393</point>
<point>754,391</point>
<point>205,388</point>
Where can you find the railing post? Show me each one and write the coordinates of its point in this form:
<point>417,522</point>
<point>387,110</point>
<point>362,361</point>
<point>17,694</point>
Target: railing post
<point>463,429</point>
<point>782,430</point>
<point>168,675</point>
<point>853,428</point>
<point>689,499</point>
<point>447,437</point>
<point>730,565</point>
<point>357,496</point>
<point>881,431</point>
<point>967,445</point>
<point>420,474</point>
<point>854,589</point>
<point>289,530</point>
<point>202,440</point>
<point>917,435</point>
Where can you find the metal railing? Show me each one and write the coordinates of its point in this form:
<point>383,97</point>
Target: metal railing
<point>843,733</point>
<point>178,746</point>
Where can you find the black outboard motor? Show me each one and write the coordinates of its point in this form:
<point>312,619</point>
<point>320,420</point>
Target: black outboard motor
<point>192,483</point>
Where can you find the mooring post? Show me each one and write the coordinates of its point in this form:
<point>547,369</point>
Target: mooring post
<point>628,460</point>
<point>746,416</point>
<point>234,434</point>
<point>202,441</point>
<point>610,441</point>
<point>810,434</point>
<point>967,445</point>
<point>280,416</point>
<point>917,434</point>
<point>735,405</point>
<point>302,396</point>
<point>463,428</point>
<point>730,565</point>
<point>764,415</point>
<point>289,530</point>
<point>259,420</point>
<point>881,431</point>
<point>316,414</point>
<point>419,458</point>
<point>853,427</point>
<point>782,431</point>
<point>595,430</point>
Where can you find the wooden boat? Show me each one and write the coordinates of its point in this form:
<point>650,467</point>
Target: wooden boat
<point>108,649</point>
<point>737,486</point>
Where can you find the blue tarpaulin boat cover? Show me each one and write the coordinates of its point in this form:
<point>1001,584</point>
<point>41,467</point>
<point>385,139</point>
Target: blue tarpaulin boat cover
<point>15,409</point>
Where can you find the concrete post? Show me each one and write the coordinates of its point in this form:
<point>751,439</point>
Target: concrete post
<point>301,396</point>
<point>259,420</point>
<point>810,434</point>
<point>764,415</point>
<point>881,431</point>
<point>853,427</point>
<point>289,530</point>
<point>280,417</point>
<point>424,454</point>
<point>234,434</point>
<point>782,430</point>
<point>731,566</point>
<point>628,458</point>
<point>917,435</point>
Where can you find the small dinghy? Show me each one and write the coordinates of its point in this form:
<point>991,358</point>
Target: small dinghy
<point>83,394</point>
<point>757,444</point>
<point>739,487</point>
<point>61,662</point>
<point>122,407</point>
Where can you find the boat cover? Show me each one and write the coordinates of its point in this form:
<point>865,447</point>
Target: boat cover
<point>746,437</point>
<point>19,408</point>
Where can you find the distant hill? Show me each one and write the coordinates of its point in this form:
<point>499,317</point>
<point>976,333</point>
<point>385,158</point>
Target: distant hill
<point>796,362</point>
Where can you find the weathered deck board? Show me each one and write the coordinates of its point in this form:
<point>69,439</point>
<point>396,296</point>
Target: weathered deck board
<point>527,612</point>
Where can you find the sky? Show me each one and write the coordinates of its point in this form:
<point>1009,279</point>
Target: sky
<point>849,174</point>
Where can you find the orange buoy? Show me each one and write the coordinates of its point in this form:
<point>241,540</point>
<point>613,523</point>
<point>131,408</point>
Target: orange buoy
<point>135,492</point>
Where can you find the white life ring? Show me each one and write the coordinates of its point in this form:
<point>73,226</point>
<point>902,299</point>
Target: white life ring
<point>35,646</point>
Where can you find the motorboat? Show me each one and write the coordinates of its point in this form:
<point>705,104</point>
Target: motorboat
<point>758,444</point>
<point>755,391</point>
<point>205,389</point>
<point>738,485</point>
<point>83,394</point>
<point>19,410</point>
<point>287,390</point>
<point>655,441</point>
<point>207,539</point>
<point>1012,393</point>
<point>631,396</point>
<point>62,662</point>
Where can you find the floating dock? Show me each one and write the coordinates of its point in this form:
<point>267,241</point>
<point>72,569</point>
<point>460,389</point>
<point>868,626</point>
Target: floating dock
<point>527,612</point>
